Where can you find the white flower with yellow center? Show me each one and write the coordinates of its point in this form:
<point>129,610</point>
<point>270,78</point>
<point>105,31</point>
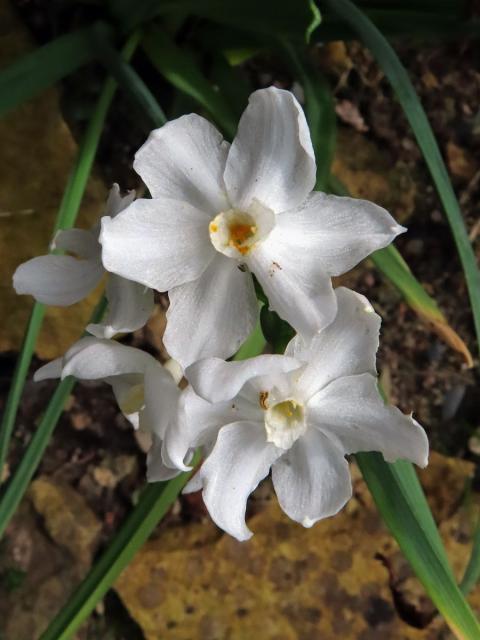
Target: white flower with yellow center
<point>299,414</point>
<point>64,280</point>
<point>146,391</point>
<point>220,211</point>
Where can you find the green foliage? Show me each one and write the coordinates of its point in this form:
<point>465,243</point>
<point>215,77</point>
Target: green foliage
<point>295,20</point>
<point>46,66</point>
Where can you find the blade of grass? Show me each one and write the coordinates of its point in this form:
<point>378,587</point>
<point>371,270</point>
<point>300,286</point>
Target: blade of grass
<point>67,214</point>
<point>390,486</point>
<point>472,572</point>
<point>18,484</point>
<point>127,78</point>
<point>46,65</point>
<point>398,77</point>
<point>179,67</point>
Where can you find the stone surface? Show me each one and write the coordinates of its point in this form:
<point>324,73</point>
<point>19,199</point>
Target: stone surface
<point>343,578</point>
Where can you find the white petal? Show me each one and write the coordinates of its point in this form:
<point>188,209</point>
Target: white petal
<point>295,284</point>
<point>198,425</point>
<point>337,232</point>
<point>93,359</point>
<point>82,243</point>
<point>160,243</point>
<point>351,411</point>
<point>185,160</point>
<point>129,306</point>
<point>346,347</point>
<point>157,471</point>
<point>211,316</point>
<point>116,202</point>
<point>217,380</point>
<point>240,459</point>
<point>49,371</point>
<point>161,400</point>
<point>312,479</point>
<point>57,280</point>
<point>271,158</point>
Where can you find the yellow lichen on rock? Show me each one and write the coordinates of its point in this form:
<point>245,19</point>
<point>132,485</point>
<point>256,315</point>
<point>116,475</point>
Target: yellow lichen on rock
<point>335,580</point>
<point>36,156</point>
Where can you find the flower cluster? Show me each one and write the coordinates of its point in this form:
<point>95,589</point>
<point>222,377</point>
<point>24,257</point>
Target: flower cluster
<point>220,214</point>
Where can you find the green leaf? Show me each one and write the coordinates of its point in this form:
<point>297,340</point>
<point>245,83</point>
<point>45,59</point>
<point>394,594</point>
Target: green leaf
<point>398,498</point>
<point>67,214</point>
<point>295,19</point>
<point>154,502</point>
<point>180,68</point>
<point>46,66</point>
<point>127,78</point>
<point>398,77</point>
<point>472,572</point>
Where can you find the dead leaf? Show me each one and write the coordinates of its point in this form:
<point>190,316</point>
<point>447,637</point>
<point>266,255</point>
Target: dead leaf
<point>348,112</point>
<point>460,162</point>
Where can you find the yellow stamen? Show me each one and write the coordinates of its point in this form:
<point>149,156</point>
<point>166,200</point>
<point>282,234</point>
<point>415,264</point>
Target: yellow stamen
<point>240,234</point>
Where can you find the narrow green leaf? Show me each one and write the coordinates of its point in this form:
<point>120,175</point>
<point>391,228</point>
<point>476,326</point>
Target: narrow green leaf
<point>154,502</point>
<point>390,486</point>
<point>46,66</point>
<point>179,67</point>
<point>127,78</point>
<point>472,572</point>
<point>398,77</point>
<point>67,214</point>
<point>15,490</point>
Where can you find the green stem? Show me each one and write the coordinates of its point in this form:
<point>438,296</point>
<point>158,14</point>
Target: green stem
<point>66,217</point>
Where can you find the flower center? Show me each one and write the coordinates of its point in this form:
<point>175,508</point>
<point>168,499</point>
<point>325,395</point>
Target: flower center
<point>235,233</point>
<point>285,423</point>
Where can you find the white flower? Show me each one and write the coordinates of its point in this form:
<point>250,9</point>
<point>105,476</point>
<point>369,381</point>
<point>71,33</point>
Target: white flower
<point>219,211</point>
<point>299,414</point>
<point>65,280</point>
<point>146,391</point>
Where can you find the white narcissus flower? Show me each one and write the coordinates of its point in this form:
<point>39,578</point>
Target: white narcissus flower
<point>299,414</point>
<point>64,280</point>
<point>220,211</point>
<point>146,391</point>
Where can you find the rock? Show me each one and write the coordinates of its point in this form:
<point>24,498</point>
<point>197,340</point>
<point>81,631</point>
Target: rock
<point>36,156</point>
<point>343,578</point>
<point>66,517</point>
